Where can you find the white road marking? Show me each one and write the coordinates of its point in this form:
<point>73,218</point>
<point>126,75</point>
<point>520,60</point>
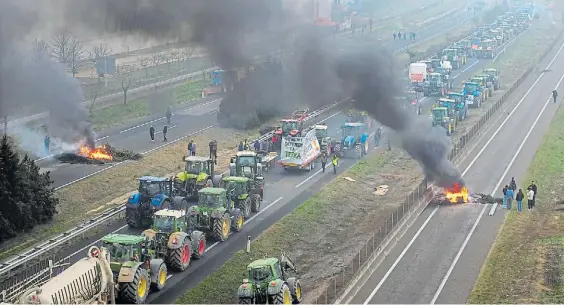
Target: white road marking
<point>510,164</point>
<point>169,128</point>
<point>391,269</point>
<point>464,70</point>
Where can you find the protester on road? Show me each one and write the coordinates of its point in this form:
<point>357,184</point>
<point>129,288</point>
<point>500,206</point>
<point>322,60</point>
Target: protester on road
<point>554,96</point>
<point>519,198</point>
<point>531,196</point>
<point>335,161</point>
<point>152,132</point>
<point>399,35</point>
<point>394,36</point>
<point>324,160</point>
<point>165,133</point>
<point>509,198</point>
<point>169,115</point>
<point>377,136</point>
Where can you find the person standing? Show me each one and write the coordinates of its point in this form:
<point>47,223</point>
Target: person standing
<point>324,160</point>
<point>165,133</point>
<point>213,150</point>
<point>47,143</point>
<point>519,198</point>
<point>240,146</point>
<point>513,184</point>
<point>378,135</point>
<point>554,93</point>
<point>245,145</point>
<point>404,36</point>
<point>394,36</point>
<point>152,132</point>
<point>504,189</point>
<point>509,198</point>
<point>335,161</point>
<point>189,148</point>
<point>534,188</point>
<point>364,137</point>
<point>193,149</point>
<point>531,195</point>
<point>256,145</point>
<point>169,115</point>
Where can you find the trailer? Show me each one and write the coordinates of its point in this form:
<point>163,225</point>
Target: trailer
<point>300,152</point>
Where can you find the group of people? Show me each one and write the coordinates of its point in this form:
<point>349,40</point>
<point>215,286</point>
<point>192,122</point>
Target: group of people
<point>168,115</point>
<point>324,160</point>
<point>509,193</point>
<point>400,35</point>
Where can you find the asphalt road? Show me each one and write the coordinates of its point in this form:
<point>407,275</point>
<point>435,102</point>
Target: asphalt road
<point>191,120</point>
<point>439,258</point>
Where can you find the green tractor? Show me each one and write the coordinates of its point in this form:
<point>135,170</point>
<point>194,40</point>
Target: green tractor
<point>485,80</point>
<point>440,117</point>
<point>453,56</point>
<point>215,213</point>
<point>249,164</point>
<point>452,110</point>
<point>197,174</point>
<point>460,104</point>
<point>243,194</point>
<point>268,282</point>
<point>326,143</point>
<point>171,239</point>
<point>135,267</point>
<point>483,86</point>
<point>494,77</point>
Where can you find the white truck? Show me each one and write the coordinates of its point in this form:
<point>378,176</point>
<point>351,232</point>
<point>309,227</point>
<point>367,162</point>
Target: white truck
<point>300,152</point>
<point>418,72</point>
<point>88,281</point>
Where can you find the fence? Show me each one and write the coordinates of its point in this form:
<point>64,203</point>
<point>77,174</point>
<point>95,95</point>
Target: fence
<point>340,281</point>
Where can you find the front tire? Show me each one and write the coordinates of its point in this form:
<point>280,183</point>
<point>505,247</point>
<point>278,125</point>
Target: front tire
<point>137,290</point>
<point>161,278</point>
<point>179,259</point>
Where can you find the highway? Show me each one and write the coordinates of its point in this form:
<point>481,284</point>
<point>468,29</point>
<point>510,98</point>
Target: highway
<point>193,119</point>
<point>439,257</point>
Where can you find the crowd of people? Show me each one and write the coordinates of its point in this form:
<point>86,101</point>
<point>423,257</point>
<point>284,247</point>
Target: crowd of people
<point>510,194</point>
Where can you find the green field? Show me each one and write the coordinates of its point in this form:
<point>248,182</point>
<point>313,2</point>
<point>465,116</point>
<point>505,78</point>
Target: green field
<point>525,263</point>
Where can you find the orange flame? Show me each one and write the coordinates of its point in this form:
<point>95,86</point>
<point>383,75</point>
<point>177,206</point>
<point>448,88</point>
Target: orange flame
<point>98,153</point>
<point>456,194</point>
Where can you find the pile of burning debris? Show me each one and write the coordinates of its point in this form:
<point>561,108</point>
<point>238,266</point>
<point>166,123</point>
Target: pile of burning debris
<point>459,194</point>
<point>101,154</point>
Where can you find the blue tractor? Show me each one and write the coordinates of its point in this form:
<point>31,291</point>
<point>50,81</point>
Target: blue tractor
<point>153,194</point>
<point>352,135</point>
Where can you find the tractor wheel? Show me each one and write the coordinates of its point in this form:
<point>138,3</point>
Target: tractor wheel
<point>221,227</point>
<point>192,222</point>
<point>179,259</point>
<point>161,278</point>
<point>255,203</point>
<point>283,297</point>
<point>295,290</point>
<point>198,244</point>
<point>137,290</point>
<point>245,301</point>
<point>245,206</point>
<point>237,219</point>
<point>133,218</point>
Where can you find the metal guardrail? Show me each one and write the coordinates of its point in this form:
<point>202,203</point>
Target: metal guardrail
<point>61,239</point>
<point>421,194</point>
<point>21,259</point>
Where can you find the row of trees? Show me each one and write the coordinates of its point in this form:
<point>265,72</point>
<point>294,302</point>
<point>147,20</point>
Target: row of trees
<point>66,49</point>
<point>26,196</point>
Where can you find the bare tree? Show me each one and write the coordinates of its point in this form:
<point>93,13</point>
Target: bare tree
<point>99,51</point>
<point>40,50</point>
<point>175,56</point>
<point>126,82</point>
<point>61,45</point>
<point>167,59</point>
<point>92,103</point>
<point>156,59</point>
<point>144,63</point>
<point>76,59</point>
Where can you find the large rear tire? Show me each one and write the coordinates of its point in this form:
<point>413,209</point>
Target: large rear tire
<point>255,203</point>
<point>136,291</point>
<point>179,259</point>
<point>133,218</point>
<point>221,228</point>
<point>237,220</point>
<point>245,207</point>
<point>245,301</point>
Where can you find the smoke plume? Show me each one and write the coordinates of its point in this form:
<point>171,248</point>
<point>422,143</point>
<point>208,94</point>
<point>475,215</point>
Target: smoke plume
<point>37,82</point>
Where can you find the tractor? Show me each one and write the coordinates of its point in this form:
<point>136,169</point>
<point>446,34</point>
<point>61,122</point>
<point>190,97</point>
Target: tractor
<point>172,240</point>
<point>440,117</point>
<point>215,214</point>
<point>269,282</point>
<point>484,86</point>
<point>354,116</point>
<point>216,85</point>
<point>461,104</point>
<point>351,138</point>
<point>326,143</point>
<point>453,56</point>
<point>434,85</point>
<point>291,126</point>
<point>248,164</point>
<point>451,106</point>
<point>494,77</point>
<point>153,194</point>
<point>243,193</point>
<point>487,49</point>
<point>196,175</point>
<point>483,79</point>
<point>474,94</point>
<point>135,268</point>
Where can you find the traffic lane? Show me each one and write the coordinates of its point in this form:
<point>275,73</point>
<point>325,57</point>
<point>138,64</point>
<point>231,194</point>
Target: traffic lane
<point>466,270</point>
<point>278,184</point>
<point>422,283</point>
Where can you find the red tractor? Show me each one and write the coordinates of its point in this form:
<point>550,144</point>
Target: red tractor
<point>291,126</point>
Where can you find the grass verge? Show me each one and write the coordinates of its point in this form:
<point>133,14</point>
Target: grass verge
<point>325,232</point>
<point>525,263</point>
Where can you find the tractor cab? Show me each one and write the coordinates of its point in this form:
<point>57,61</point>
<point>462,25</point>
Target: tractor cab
<point>236,187</point>
<point>169,221</point>
<point>355,116</point>
<point>471,88</point>
<point>290,127</point>
<point>352,130</point>
<point>434,78</point>
<point>124,248</point>
<point>478,80</point>
<point>150,187</point>
<point>458,98</point>
<point>213,198</point>
<point>447,103</point>
<point>321,131</point>
<point>201,166</point>
<point>491,72</point>
<point>198,172</point>
<point>324,140</point>
<point>216,77</point>
<point>246,164</point>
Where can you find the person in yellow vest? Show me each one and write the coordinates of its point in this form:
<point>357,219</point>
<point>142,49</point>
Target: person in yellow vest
<point>335,161</point>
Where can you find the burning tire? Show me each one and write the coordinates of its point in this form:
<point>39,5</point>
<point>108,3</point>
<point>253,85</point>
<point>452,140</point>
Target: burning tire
<point>137,290</point>
<point>179,259</point>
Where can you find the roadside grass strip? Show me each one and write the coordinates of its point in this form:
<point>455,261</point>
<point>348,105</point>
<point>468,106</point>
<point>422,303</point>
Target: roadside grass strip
<point>525,263</point>
<point>325,232</point>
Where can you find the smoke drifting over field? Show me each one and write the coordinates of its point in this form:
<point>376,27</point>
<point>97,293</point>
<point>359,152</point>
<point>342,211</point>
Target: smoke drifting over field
<point>40,83</point>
